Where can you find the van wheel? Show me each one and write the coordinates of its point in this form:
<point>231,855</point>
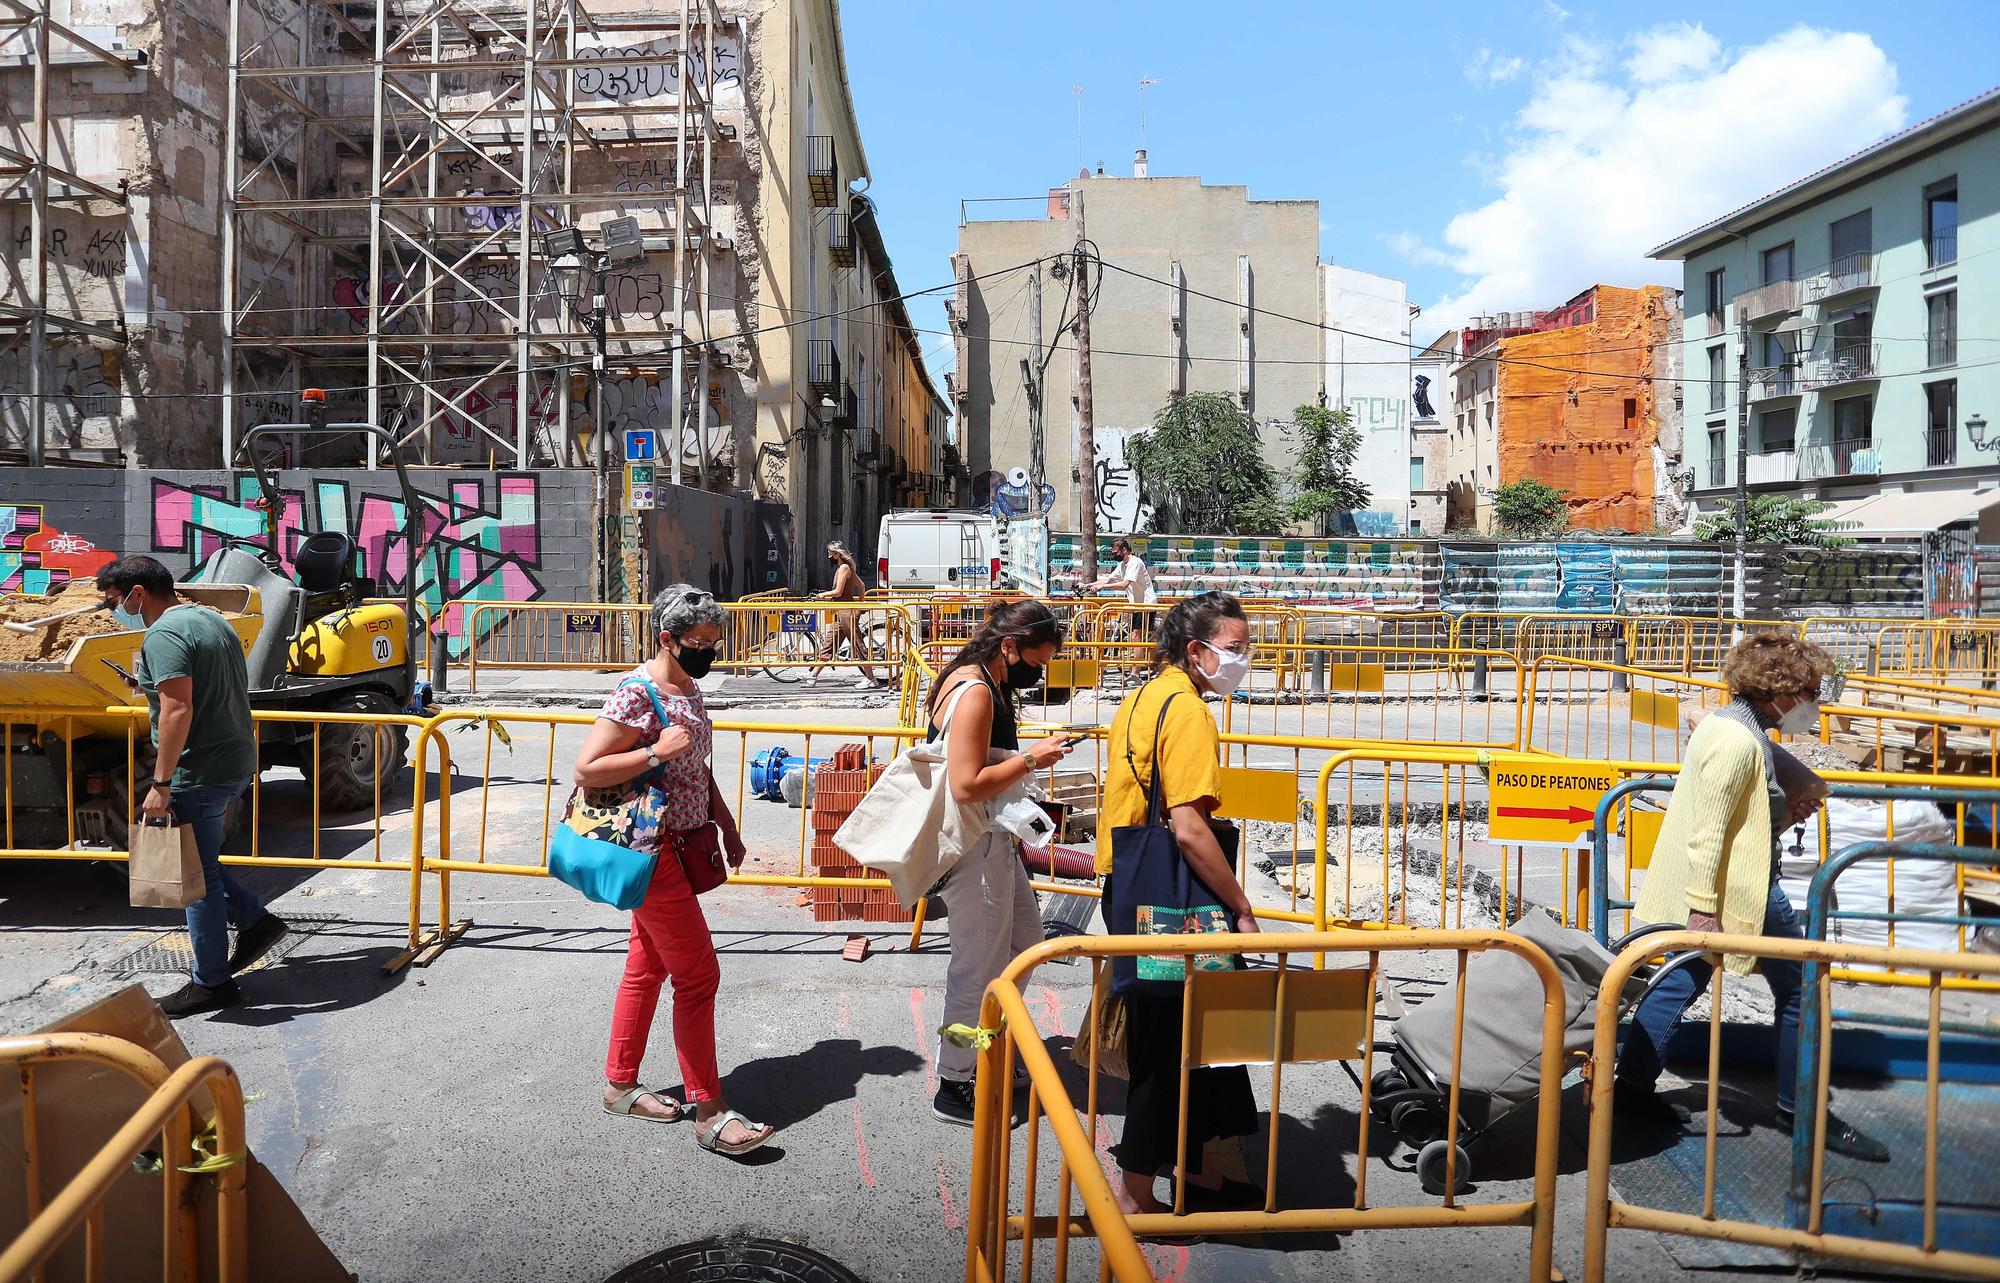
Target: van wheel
<point>354,756</point>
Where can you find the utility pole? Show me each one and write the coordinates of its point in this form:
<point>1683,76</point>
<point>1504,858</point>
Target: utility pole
<point>1086,413</point>
<point>1742,467</point>
<point>1031,374</point>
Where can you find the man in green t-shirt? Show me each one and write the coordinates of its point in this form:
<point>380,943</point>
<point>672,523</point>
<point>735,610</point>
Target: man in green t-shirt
<point>192,672</point>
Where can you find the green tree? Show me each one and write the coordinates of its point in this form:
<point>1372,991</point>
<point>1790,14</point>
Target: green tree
<point>1785,519</point>
<point>1204,471</point>
<point>1530,509</point>
<point>1324,476</point>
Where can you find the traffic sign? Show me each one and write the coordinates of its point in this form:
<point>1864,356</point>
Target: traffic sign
<point>642,445</point>
<point>1530,800</point>
<point>639,487</point>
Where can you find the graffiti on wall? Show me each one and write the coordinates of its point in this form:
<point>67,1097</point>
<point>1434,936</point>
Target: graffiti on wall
<point>1121,502</point>
<point>83,381</point>
<point>477,546</point>
<point>1004,495</point>
<point>656,76</point>
<point>724,544</point>
<point>1369,574</point>
<point>36,557</point>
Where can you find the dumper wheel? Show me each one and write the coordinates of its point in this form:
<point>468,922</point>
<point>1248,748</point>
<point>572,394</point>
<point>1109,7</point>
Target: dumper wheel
<point>353,755</point>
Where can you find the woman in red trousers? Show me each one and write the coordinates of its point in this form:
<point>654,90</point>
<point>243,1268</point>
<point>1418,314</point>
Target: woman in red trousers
<point>669,935</point>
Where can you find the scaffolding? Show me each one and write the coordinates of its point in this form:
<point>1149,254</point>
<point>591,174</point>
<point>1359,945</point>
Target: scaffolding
<point>31,171</point>
<point>390,170</point>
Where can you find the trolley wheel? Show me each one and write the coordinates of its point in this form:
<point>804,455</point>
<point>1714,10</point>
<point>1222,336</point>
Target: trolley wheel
<point>1417,1122</point>
<point>1431,1162</point>
<point>1384,1083</point>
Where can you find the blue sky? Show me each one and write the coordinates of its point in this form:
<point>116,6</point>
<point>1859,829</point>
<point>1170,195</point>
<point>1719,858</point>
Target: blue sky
<point>1495,156</point>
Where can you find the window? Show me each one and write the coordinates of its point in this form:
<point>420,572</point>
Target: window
<point>1941,310</point>
<point>1718,456</point>
<point>1718,377</point>
<point>1851,239</point>
<point>1777,262</point>
<point>1716,298</point>
<point>1941,221</point>
<point>1853,431</point>
<point>1777,430</point>
<point>1941,416</point>
<point>1416,472</point>
<point>1853,346</point>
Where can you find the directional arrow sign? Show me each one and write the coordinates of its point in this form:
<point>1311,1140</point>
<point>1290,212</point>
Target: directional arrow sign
<point>1538,799</point>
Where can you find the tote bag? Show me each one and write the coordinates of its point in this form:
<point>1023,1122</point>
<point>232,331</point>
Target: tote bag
<point>1153,891</point>
<point>908,826</point>
<point>593,849</point>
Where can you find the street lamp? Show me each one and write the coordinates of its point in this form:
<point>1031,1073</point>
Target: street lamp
<point>1684,482</point>
<point>1975,427</point>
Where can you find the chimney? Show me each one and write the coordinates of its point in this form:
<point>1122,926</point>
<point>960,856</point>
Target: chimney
<point>1139,163</point>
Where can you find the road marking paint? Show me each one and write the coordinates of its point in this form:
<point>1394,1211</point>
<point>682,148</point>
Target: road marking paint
<point>923,1036</point>
<point>860,1130</point>
<point>951,1217</point>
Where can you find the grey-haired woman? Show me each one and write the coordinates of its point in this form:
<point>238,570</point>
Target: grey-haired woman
<point>669,935</point>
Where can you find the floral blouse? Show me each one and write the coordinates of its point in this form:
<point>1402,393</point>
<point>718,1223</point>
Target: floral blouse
<point>683,781</point>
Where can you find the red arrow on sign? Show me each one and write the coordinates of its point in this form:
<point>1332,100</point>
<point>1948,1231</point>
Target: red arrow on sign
<point>1568,815</point>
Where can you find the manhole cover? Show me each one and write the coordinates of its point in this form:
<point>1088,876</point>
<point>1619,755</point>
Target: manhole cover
<point>172,952</point>
<point>736,1259</point>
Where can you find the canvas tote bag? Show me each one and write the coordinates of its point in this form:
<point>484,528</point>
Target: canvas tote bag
<point>165,866</point>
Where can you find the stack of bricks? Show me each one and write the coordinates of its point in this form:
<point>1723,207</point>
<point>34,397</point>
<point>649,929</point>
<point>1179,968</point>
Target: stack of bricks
<point>838,787</point>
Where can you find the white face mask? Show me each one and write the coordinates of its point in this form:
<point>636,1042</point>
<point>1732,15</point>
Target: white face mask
<point>128,619</point>
<point>1228,674</point>
<point>1801,718</point>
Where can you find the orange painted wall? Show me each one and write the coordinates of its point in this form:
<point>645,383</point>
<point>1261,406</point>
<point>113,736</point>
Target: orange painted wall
<point>1592,433</point>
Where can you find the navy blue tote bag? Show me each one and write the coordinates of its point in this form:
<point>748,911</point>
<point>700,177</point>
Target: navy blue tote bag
<point>1153,891</point>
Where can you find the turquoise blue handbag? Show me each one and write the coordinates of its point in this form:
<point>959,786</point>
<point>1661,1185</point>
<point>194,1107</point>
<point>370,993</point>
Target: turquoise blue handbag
<point>593,848</point>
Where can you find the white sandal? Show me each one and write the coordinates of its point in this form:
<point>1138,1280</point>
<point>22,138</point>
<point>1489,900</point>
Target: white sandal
<point>707,1139</point>
<point>622,1106</point>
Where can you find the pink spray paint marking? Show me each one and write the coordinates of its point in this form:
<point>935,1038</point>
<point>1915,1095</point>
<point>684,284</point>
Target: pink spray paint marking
<point>952,1219</point>
<point>860,1131</point>
<point>923,1036</point>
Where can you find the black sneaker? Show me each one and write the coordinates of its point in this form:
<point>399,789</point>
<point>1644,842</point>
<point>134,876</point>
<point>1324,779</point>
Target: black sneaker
<point>1843,1137</point>
<point>192,999</point>
<point>1643,1107</point>
<point>954,1102</point>
<point>255,940</point>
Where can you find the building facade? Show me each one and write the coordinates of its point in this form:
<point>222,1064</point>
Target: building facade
<point>1842,330</point>
<point>198,234</point>
<point>1199,285</point>
<point>1367,337</point>
<point>1583,397</point>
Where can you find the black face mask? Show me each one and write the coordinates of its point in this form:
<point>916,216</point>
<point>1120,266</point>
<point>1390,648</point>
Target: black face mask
<point>1021,675</point>
<point>695,663</point>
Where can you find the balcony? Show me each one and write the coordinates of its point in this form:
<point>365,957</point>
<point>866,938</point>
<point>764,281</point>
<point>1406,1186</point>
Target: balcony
<point>822,175</point>
<point>1846,363</point>
<point>850,407</point>
<point>1941,448</point>
<point>840,239</point>
<point>865,443</point>
<point>1768,299</point>
<point>1843,275</point>
<point>1943,247</point>
<point>1857,457</point>
<point>1769,382</point>
<point>822,366</point>
<point>1770,466</point>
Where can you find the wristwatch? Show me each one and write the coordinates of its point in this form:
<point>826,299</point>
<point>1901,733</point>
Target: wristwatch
<point>652,758</point>
<point>1029,758</point>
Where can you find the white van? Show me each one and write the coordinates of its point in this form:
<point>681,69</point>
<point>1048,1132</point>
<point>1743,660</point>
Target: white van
<point>922,548</point>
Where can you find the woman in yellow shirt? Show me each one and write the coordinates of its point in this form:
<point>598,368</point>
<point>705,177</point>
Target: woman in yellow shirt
<point>1203,647</point>
<point>1715,868</point>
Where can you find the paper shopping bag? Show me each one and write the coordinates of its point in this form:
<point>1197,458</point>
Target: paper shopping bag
<point>166,867</point>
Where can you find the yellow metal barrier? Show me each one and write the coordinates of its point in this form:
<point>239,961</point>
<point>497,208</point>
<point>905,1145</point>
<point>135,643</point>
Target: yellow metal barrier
<point>166,1123</point>
<point>1281,1017</point>
<point>1949,650</point>
<point>1604,1213</point>
<point>1589,709</point>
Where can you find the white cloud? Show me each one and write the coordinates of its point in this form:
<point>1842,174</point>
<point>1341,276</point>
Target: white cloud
<point>1410,246</point>
<point>1489,68</point>
<point>1669,50</point>
<point>1602,166</point>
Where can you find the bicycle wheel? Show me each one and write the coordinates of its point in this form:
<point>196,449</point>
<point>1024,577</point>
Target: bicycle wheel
<point>785,656</point>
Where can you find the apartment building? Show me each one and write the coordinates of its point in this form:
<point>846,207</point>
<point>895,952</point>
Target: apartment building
<point>1367,338</point>
<point>1199,283</point>
<point>1843,329</point>
<point>1584,397</point>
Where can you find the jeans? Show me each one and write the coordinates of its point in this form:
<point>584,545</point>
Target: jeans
<point>1654,1022</point>
<point>669,940</point>
<point>226,902</point>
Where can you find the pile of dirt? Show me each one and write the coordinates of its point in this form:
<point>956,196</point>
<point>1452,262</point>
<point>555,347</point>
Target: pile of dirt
<point>46,645</point>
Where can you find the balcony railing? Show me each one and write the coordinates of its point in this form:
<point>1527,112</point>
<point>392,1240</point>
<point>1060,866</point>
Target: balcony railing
<point>1772,465</point>
<point>1856,457</point>
<point>1941,448</point>
<point>840,239</point>
<point>1846,363</point>
<point>850,406</point>
<point>1768,299</point>
<point>1944,247</point>
<point>822,366</point>
<point>822,174</point>
<point>1771,381</point>
<point>1843,275</point>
